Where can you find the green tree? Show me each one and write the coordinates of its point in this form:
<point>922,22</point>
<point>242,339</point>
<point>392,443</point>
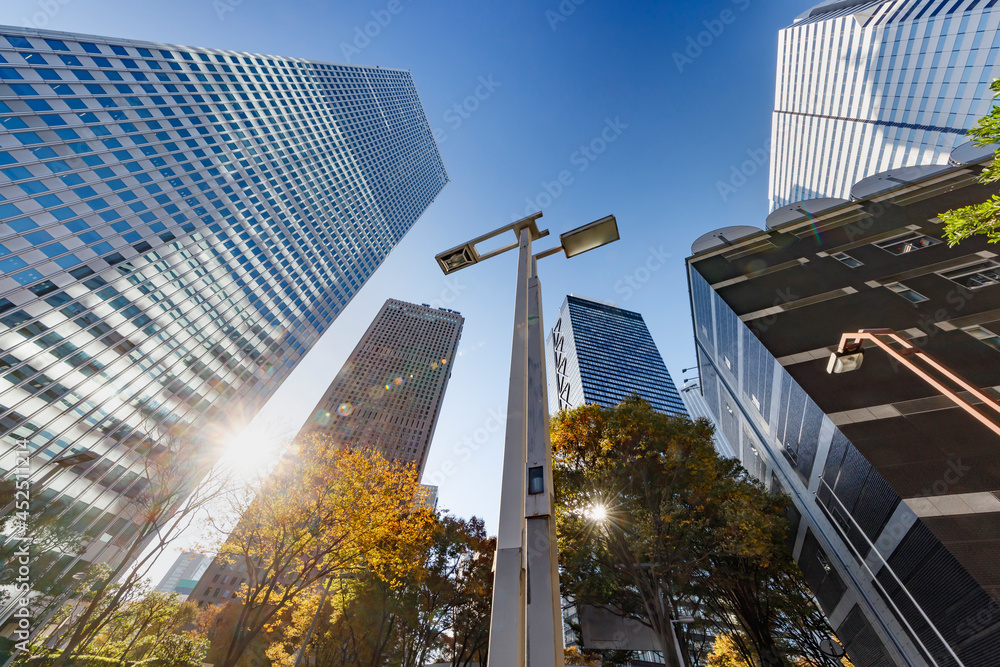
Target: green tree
<point>470,621</point>
<point>652,520</point>
<point>440,608</point>
<point>48,535</point>
<point>642,503</point>
<point>180,650</point>
<point>984,218</point>
<point>430,602</point>
<point>140,629</point>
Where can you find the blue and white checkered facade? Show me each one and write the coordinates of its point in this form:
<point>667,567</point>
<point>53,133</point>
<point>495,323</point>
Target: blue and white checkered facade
<point>600,354</point>
<point>867,86</point>
<point>178,226</point>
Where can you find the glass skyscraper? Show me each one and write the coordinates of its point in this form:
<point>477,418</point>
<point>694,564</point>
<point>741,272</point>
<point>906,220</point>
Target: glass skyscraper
<point>864,86</point>
<point>600,354</point>
<point>184,574</point>
<point>178,226</point>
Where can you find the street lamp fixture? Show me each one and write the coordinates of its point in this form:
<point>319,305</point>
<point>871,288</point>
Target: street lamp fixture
<point>846,359</point>
<point>683,620</point>
<point>849,355</point>
<point>586,238</point>
<point>73,459</point>
<point>527,630</point>
<point>466,254</point>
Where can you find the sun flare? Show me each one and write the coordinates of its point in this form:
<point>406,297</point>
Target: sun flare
<point>255,449</point>
<point>597,513</point>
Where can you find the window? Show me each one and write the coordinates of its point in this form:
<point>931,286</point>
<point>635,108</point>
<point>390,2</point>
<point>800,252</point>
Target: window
<point>906,292</point>
<point>985,335</point>
<point>844,258</point>
<point>899,245</point>
<point>974,276</point>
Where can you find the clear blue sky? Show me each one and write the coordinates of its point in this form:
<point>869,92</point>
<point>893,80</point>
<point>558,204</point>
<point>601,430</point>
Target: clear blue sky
<point>557,75</point>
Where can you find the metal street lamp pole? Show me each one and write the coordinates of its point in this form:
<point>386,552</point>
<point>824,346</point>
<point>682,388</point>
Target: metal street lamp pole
<point>525,623</point>
<point>677,643</point>
<point>507,621</point>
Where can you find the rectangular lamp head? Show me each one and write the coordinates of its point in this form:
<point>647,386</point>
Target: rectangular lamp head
<point>457,258</point>
<point>71,460</point>
<point>598,233</point>
<point>845,362</point>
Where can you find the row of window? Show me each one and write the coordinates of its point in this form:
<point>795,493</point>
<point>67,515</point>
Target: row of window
<point>972,276</point>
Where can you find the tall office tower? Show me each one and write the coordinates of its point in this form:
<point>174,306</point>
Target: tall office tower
<point>387,396</point>
<point>389,392</point>
<point>184,574</point>
<point>866,85</point>
<point>895,488</point>
<point>601,354</point>
<point>179,226</point>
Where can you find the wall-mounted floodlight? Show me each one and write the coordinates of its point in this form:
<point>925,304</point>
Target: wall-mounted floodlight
<point>598,233</point>
<point>846,360</point>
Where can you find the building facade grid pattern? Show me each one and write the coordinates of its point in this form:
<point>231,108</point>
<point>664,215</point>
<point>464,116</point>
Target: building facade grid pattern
<point>389,392</point>
<point>178,226</point>
<point>600,354</point>
<point>877,86</point>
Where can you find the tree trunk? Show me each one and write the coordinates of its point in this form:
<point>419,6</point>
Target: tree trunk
<point>670,657</point>
<point>81,631</point>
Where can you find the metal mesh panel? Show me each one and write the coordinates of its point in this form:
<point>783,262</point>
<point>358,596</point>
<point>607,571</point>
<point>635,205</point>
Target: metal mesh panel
<point>819,573</point>
<point>962,612</point>
<point>875,505</point>
<point>862,644</point>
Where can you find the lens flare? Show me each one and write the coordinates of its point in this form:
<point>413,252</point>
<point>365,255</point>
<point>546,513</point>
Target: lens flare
<point>597,513</point>
<point>345,409</point>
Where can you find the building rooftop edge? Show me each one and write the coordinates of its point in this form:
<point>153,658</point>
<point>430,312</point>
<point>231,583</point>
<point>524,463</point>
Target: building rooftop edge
<point>37,32</point>
<point>948,173</point>
<point>603,303</point>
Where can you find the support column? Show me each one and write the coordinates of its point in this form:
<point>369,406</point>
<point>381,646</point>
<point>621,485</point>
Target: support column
<point>544,612</point>
<point>507,622</point>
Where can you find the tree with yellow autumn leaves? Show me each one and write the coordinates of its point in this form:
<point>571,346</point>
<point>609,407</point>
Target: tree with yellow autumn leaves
<point>327,512</point>
<point>437,611</point>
